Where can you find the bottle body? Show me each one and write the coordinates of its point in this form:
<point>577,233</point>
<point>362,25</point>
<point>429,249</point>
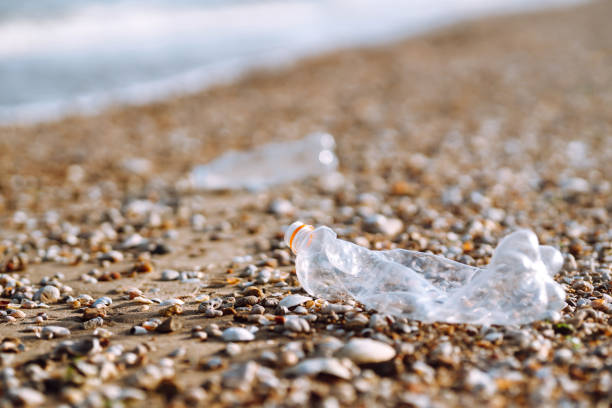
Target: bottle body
<point>517,287</point>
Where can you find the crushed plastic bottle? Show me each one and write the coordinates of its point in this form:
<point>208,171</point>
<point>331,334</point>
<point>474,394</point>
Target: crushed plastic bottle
<point>268,165</point>
<point>515,288</point>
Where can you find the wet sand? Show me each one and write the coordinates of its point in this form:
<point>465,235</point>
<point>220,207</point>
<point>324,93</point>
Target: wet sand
<point>463,134</point>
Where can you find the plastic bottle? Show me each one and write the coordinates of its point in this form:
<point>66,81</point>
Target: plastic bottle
<point>269,164</point>
<point>515,288</point>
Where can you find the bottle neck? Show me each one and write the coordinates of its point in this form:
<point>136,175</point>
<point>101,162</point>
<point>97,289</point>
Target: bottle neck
<point>297,235</point>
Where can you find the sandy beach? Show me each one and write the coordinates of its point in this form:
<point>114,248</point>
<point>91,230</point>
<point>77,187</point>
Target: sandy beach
<point>461,135</point>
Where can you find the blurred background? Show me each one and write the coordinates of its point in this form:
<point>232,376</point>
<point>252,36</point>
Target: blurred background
<point>64,56</point>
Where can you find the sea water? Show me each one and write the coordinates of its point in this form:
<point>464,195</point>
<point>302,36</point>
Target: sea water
<point>63,56</point>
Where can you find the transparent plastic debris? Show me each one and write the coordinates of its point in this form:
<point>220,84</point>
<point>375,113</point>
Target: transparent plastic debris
<point>268,165</point>
<point>517,286</point>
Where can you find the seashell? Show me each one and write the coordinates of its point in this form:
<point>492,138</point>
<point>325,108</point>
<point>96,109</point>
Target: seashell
<point>329,346</point>
<point>335,308</point>
<point>51,332</point>
<point>111,256</point>
<point>78,348</point>
<point>240,375</point>
<point>253,291</point>
<point>178,352</point>
<point>172,302</point>
<point>322,365</point>
<point>172,310</point>
<point>17,314</point>
<point>102,302</point>
<point>133,241</point>
<point>213,313</point>
<point>136,330</point>
<point>293,300</point>
<point>170,275</point>
<point>233,349</point>
<point>26,397</point>
<point>297,325</point>
<point>213,303</point>
<point>133,292</point>
<point>200,335</point>
<point>150,325</point>
<point>84,300</point>
<point>365,351</point>
<point>28,304</point>
<point>102,333</point>
<point>300,310</point>
<point>143,300</point>
<point>129,359</point>
<point>47,294</point>
<point>147,378</point>
<point>93,323</point>
<point>212,363</point>
<point>11,345</point>
<point>237,334</point>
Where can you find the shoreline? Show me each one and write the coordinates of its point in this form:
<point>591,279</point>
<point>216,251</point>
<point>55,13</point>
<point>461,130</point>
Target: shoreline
<point>283,33</point>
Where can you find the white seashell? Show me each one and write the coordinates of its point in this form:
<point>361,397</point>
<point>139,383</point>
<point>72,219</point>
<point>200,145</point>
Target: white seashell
<point>293,300</point>
<point>297,325</point>
<point>172,302</point>
<point>170,275</point>
<point>93,323</point>
<point>24,396</point>
<point>329,345</point>
<point>51,332</point>
<point>133,241</point>
<point>364,351</point>
<point>47,294</point>
<point>142,300</point>
<point>240,375</point>
<point>136,330</point>
<point>102,302</point>
<point>233,349</point>
<point>336,308</point>
<point>237,334</point>
<point>102,333</point>
<point>322,365</point>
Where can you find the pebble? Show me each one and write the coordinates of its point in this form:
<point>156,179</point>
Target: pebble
<point>365,351</point>
<point>171,324</point>
<point>237,334</point>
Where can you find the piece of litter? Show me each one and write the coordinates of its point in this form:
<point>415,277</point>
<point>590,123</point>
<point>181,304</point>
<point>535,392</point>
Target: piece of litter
<point>515,288</point>
<point>268,165</point>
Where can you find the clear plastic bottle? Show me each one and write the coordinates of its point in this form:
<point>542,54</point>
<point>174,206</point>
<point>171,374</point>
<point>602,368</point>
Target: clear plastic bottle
<point>515,288</point>
<point>268,165</point>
